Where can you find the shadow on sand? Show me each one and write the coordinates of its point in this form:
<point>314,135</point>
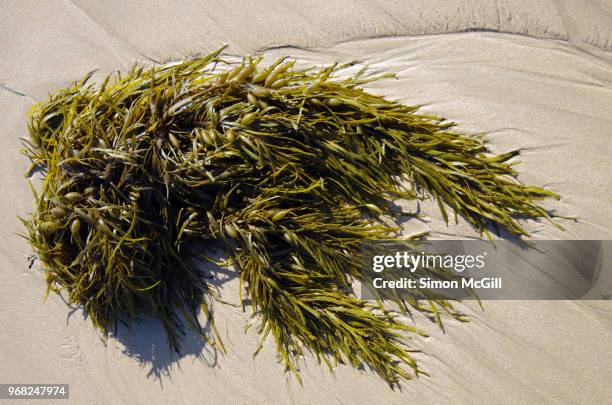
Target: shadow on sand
<point>146,342</point>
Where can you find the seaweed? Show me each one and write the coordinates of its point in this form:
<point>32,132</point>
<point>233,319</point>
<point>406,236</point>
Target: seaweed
<point>288,169</point>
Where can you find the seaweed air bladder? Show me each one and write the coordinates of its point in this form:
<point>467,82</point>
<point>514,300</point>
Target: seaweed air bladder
<point>289,169</point>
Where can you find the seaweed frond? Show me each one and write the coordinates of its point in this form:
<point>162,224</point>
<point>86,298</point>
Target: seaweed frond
<point>291,169</point>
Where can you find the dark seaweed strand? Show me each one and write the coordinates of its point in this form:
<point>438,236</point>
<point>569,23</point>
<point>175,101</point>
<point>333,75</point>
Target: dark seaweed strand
<point>291,169</point>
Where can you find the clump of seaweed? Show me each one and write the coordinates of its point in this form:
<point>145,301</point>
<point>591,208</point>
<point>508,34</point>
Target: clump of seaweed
<point>290,169</point>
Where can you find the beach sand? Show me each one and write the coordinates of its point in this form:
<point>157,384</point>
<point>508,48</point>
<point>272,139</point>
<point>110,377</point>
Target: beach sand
<point>530,74</point>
